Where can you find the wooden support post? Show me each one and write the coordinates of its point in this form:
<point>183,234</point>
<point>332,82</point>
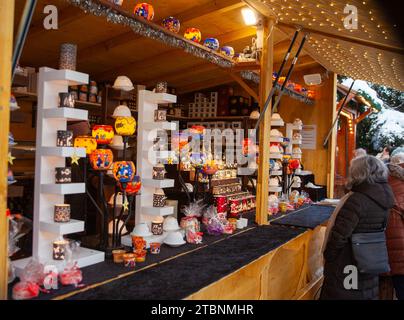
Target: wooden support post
<point>332,144</point>
<point>363,115</point>
<point>6,47</point>
<point>265,126</point>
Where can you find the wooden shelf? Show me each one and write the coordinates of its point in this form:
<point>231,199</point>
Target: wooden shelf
<point>87,104</point>
<point>27,96</point>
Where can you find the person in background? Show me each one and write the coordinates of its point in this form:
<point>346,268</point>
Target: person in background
<point>364,209</point>
<point>395,226</point>
<point>360,153</point>
<point>385,154</point>
<point>398,150</point>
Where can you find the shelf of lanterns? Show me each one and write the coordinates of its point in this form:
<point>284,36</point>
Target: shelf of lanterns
<point>53,179</point>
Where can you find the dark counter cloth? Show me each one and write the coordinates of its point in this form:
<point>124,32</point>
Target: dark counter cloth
<point>182,276</point>
<point>308,217</point>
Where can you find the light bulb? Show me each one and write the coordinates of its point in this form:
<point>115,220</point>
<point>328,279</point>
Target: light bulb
<point>249,16</point>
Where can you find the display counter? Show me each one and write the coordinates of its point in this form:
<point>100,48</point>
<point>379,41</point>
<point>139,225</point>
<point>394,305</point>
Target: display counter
<point>259,262</point>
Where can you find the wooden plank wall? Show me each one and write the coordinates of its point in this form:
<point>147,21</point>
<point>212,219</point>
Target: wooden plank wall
<point>320,114</point>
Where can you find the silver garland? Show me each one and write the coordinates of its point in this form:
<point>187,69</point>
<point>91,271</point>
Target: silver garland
<point>251,76</point>
<point>145,30</point>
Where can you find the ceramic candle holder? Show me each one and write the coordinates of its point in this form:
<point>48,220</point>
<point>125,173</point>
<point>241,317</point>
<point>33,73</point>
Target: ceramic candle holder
<point>160,115</point>
<point>138,243</point>
<point>159,200</point>
<point>161,87</point>
<point>129,260</point>
<point>157,228</point>
<point>155,247</point>
<point>68,56</point>
<point>62,213</point>
<point>66,100</point>
<point>159,172</point>
<point>64,138</point>
<point>63,175</point>
<point>59,249</point>
<point>118,255</point>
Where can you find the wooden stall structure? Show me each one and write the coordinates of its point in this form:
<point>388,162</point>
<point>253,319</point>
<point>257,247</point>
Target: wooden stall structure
<point>147,53</point>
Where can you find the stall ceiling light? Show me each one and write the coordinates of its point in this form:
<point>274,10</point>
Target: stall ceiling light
<point>249,16</point>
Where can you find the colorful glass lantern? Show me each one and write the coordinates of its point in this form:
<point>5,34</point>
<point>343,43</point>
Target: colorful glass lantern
<point>103,133</point>
<point>125,126</point>
<point>212,43</point>
<point>144,10</point>
<point>133,186</point>
<point>87,142</point>
<point>209,167</point>
<point>193,34</point>
<point>227,51</point>
<point>124,171</point>
<point>198,159</point>
<point>172,24</point>
<point>101,159</point>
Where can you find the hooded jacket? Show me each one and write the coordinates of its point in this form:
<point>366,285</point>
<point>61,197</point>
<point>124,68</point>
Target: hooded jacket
<point>395,227</point>
<point>366,210</point>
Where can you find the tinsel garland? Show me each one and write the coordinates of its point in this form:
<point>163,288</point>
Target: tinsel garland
<point>251,76</point>
<point>146,30</point>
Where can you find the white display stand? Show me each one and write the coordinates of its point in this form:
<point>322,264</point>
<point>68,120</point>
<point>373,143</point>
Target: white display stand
<point>50,118</point>
<point>290,128</point>
<point>148,102</point>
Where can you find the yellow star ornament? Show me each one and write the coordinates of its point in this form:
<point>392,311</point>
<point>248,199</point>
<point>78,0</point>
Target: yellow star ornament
<point>75,158</point>
<point>10,158</point>
<point>125,205</point>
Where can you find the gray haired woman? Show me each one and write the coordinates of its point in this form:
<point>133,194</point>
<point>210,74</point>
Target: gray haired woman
<point>365,209</point>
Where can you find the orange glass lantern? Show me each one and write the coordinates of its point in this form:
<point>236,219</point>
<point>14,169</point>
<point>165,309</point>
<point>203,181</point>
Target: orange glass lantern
<point>103,133</point>
<point>101,159</point>
<point>193,34</point>
<point>124,171</point>
<point>133,186</point>
<point>125,126</point>
<point>87,142</point>
<point>144,10</point>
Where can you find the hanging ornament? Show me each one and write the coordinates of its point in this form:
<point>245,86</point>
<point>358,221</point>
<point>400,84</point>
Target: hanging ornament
<point>10,158</point>
<point>212,43</point>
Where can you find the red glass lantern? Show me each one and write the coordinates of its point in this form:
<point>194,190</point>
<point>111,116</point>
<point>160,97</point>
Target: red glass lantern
<point>124,171</point>
<point>132,187</point>
<point>101,159</point>
<point>103,133</point>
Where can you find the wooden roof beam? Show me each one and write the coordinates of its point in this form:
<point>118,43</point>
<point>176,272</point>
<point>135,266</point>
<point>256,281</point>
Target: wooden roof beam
<point>184,17</point>
<point>210,83</point>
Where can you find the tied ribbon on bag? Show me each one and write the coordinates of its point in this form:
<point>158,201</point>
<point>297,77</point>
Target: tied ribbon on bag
<point>25,290</point>
<point>194,237</point>
<point>72,275</point>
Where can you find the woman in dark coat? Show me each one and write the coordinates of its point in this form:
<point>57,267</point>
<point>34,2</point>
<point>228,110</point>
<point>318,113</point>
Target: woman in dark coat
<point>366,209</point>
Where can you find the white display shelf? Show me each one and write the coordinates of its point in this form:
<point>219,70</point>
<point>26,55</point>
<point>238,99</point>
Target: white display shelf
<point>275,173</point>
<point>63,152</point>
<point>274,189</point>
<point>157,211</point>
<point>70,114</point>
<point>65,188</point>
<point>62,228</point>
<point>73,78</point>
<point>160,98</point>
<point>296,156</point>
<point>276,139</point>
<point>127,240</point>
<point>277,123</point>
<point>166,183</point>
<point>162,125</point>
<point>246,171</point>
<point>297,141</point>
<point>298,128</point>
<point>83,256</point>
<point>12,108</point>
<point>276,155</point>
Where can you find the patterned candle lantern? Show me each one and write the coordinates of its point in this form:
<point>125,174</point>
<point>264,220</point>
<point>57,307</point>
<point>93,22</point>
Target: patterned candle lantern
<point>62,213</point>
<point>66,100</point>
<point>63,175</point>
<point>159,172</point>
<point>159,198</point>
<point>144,10</point>
<point>227,51</point>
<point>103,133</point>
<point>155,247</point>
<point>101,159</point>
<point>161,87</point>
<point>212,43</point>
<point>193,34</point>
<point>87,142</point>
<point>125,126</point>
<point>124,171</point>
<point>64,138</point>
<point>129,260</point>
<point>160,115</point>
<point>68,56</point>
<point>172,24</point>
<point>132,187</point>
<point>59,249</point>
<point>157,227</point>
